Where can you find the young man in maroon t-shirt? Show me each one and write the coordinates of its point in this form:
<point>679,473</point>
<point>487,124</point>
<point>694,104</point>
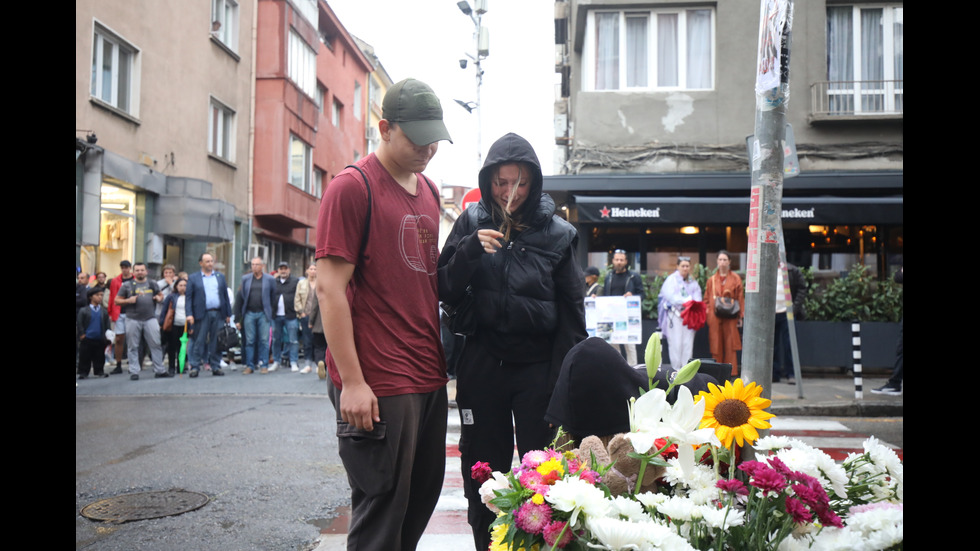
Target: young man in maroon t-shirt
<point>379,301</point>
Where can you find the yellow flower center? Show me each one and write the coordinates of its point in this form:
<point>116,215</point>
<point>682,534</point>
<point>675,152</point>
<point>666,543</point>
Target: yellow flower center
<point>732,413</point>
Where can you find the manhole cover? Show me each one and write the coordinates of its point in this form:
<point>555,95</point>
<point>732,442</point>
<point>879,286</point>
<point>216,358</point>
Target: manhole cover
<point>144,505</point>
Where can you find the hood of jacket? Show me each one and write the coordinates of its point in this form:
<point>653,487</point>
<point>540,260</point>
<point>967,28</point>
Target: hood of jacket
<point>512,148</point>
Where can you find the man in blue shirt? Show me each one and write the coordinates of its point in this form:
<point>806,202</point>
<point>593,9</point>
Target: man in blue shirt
<point>206,306</point>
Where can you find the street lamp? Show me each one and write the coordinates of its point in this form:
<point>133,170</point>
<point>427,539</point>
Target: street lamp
<point>482,37</point>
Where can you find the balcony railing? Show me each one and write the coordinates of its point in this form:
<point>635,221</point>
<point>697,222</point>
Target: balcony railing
<point>848,99</point>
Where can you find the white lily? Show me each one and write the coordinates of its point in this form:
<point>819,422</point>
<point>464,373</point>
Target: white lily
<point>653,418</point>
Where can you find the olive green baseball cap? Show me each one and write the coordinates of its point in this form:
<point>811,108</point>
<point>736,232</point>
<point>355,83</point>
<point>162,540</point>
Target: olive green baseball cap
<point>417,110</point>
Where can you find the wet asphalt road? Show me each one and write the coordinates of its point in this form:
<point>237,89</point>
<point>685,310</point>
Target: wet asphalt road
<point>262,447</point>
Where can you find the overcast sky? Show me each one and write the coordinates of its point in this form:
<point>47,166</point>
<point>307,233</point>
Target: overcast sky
<point>425,39</point>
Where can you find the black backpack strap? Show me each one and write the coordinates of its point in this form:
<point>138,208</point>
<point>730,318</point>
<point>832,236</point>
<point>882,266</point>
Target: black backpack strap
<point>367,217</point>
<point>432,188</point>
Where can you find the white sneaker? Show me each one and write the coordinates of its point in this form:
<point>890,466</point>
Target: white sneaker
<point>224,364</point>
<point>273,366</point>
<point>306,370</point>
<point>294,368</point>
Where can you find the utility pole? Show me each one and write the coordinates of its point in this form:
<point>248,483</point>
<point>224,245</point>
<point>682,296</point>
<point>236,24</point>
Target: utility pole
<point>482,37</point>
<point>766,197</point>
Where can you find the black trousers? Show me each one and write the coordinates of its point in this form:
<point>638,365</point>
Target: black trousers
<point>497,400</point>
<point>396,471</point>
<point>91,357</point>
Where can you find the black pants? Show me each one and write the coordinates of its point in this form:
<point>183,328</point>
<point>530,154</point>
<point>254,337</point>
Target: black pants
<point>496,400</point>
<point>91,357</point>
<point>396,471</point>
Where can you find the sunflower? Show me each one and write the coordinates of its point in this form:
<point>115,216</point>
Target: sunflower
<point>735,412</point>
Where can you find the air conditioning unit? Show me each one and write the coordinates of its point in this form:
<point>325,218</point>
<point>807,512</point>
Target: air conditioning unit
<point>260,251</point>
<point>371,134</point>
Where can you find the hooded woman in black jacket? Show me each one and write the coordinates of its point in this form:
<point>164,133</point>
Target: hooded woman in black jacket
<point>517,260</point>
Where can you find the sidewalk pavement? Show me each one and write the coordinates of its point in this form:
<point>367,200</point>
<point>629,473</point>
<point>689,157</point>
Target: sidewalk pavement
<point>835,397</point>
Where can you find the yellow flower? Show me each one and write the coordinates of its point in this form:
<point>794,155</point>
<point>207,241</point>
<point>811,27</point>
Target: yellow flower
<point>537,499</point>
<point>497,535</point>
<point>735,412</point>
<point>551,465</point>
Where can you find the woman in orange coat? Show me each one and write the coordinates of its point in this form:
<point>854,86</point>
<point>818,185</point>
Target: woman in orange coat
<point>723,331</point>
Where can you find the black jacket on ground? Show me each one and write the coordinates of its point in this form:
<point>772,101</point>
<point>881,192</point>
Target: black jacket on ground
<point>529,295</point>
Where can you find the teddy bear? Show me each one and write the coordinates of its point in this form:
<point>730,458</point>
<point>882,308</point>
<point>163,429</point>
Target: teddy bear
<point>621,477</point>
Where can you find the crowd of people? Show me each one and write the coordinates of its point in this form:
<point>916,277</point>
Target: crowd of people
<point>187,318</point>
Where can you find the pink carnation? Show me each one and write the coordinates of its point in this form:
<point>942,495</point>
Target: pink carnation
<point>551,532</point>
<point>798,511</point>
<point>768,480</point>
<point>533,518</point>
<point>480,472</point>
<point>732,486</point>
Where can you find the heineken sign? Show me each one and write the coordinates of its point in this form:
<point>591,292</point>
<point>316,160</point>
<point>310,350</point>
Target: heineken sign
<point>734,210</point>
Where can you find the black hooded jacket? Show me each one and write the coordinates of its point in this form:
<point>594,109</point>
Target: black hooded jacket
<point>529,296</point>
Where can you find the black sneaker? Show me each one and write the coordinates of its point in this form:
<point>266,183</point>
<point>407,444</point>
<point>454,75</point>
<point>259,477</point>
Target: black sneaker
<point>217,373</point>
<point>116,371</point>
<point>134,377</point>
<point>889,389</point>
<point>164,375</point>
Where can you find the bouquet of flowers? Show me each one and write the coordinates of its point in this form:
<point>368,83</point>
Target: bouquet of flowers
<point>792,496</point>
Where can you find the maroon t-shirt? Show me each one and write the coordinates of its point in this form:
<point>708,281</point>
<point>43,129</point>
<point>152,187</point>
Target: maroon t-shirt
<point>393,293</point>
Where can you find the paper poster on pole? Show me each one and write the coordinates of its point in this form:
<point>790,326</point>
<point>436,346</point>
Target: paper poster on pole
<point>617,320</point>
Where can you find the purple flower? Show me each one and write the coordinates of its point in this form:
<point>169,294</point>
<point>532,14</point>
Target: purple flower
<point>533,518</point>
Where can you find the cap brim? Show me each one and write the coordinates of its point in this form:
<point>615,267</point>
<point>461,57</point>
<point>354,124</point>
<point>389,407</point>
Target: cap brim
<point>425,132</point>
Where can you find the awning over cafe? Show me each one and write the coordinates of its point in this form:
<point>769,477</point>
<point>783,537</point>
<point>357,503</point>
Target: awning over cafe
<point>735,210</point>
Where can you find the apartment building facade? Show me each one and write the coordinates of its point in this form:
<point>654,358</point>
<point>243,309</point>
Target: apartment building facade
<point>656,104</point>
<point>310,95</point>
<point>162,118</point>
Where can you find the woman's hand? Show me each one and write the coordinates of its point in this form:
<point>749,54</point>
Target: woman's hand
<point>489,240</point>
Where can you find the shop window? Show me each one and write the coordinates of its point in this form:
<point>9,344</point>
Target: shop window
<point>117,230</point>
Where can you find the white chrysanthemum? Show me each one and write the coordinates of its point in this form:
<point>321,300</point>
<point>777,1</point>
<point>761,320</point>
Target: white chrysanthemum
<point>698,483</point>
<point>723,518</point>
<point>615,534</point>
<point>886,458</point>
<point>574,495</point>
<point>816,463</point>
<point>497,482</point>
<point>771,443</point>
<point>663,538</point>
<point>651,500</point>
<point>680,509</point>
<point>629,509</point>
<point>872,518</point>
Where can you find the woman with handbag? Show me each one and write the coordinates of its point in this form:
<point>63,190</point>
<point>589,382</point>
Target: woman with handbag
<point>725,304</point>
<point>509,268</point>
<point>172,321</point>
